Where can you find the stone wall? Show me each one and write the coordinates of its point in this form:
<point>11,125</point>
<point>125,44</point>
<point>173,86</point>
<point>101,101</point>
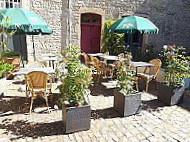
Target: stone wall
<point>171,17</point>
<point>51,12</point>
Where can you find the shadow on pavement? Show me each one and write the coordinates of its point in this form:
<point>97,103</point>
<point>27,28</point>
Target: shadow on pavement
<point>98,89</point>
<point>186,103</point>
<point>24,129</point>
<point>104,113</point>
<point>152,105</point>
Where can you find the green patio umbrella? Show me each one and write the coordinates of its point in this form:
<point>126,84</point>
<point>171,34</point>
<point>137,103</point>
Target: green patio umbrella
<point>24,22</point>
<point>131,24</point>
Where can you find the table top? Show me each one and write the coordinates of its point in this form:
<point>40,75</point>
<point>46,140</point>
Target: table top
<point>110,57</point>
<point>48,58</point>
<point>48,55</point>
<point>96,54</point>
<point>141,64</point>
<point>24,71</point>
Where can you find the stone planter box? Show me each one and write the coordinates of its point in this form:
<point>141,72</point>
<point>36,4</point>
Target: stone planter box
<point>76,118</point>
<point>170,95</point>
<point>128,104</point>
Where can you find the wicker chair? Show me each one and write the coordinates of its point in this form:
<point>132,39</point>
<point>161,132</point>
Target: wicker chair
<point>37,84</point>
<point>96,62</point>
<point>87,60</point>
<point>37,64</point>
<point>120,56</point>
<point>112,67</point>
<point>152,73</point>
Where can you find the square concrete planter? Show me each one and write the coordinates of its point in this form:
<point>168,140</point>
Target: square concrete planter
<point>171,95</point>
<point>76,118</point>
<point>128,104</point>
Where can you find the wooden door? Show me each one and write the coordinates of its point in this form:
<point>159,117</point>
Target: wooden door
<point>90,33</point>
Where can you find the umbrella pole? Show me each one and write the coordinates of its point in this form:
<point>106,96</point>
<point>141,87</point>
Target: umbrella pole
<point>21,52</point>
<point>33,48</point>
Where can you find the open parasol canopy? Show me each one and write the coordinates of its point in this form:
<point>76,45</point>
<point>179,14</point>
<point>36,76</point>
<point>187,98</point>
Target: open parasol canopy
<point>131,24</point>
<point>24,21</point>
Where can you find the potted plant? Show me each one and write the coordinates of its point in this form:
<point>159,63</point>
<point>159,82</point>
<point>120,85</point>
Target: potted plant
<point>75,78</point>
<point>11,57</point>
<point>176,68</point>
<point>127,100</point>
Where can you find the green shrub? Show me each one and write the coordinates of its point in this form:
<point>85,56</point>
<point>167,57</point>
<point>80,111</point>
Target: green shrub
<point>75,77</point>
<point>125,76</point>
<point>112,42</point>
<point>176,64</point>
<point>9,53</point>
<point>5,67</point>
<point>146,54</point>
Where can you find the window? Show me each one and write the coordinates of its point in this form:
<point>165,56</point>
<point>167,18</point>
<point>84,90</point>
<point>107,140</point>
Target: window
<point>9,3</point>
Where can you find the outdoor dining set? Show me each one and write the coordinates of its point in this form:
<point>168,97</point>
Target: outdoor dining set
<point>106,64</point>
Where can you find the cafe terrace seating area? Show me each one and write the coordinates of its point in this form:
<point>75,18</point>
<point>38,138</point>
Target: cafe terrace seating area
<point>30,118</point>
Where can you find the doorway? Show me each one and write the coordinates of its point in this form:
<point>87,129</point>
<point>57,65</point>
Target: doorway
<point>90,32</point>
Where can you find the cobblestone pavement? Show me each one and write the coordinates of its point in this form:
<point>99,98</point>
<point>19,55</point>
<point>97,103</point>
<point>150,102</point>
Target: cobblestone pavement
<point>154,123</point>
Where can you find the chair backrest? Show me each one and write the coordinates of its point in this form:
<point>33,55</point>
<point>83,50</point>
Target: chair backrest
<point>91,58</point>
<point>117,64</point>
<point>86,59</point>
<point>103,67</point>
<point>37,79</point>
<point>96,63</point>
<point>42,62</point>
<point>106,53</point>
<point>121,55</point>
<point>154,70</point>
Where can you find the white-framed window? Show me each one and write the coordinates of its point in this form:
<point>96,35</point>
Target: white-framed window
<point>9,3</point>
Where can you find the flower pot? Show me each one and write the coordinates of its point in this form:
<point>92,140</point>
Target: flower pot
<point>128,104</point>
<point>170,95</point>
<point>14,60</point>
<point>76,118</point>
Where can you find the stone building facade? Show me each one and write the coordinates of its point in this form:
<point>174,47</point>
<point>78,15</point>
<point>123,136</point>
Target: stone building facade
<point>64,17</point>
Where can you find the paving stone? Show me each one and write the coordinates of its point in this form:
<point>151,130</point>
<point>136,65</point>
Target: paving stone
<point>168,124</point>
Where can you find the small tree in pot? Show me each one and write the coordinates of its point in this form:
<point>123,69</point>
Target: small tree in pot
<point>75,78</point>
<point>176,69</point>
<point>127,101</point>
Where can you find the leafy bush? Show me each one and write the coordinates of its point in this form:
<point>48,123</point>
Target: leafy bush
<point>112,42</point>
<point>10,53</point>
<point>125,76</point>
<point>176,64</point>
<point>5,67</point>
<point>75,77</point>
<point>146,54</point>
<point>5,32</point>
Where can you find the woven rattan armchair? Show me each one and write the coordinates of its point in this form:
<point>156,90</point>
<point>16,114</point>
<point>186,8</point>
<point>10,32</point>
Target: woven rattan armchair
<point>37,86</point>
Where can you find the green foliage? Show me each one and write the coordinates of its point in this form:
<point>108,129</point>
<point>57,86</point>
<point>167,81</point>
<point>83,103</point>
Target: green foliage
<point>146,54</point>
<point>176,64</point>
<point>5,67</point>
<point>9,53</point>
<point>125,76</point>
<point>5,33</point>
<point>112,42</point>
<point>75,77</point>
